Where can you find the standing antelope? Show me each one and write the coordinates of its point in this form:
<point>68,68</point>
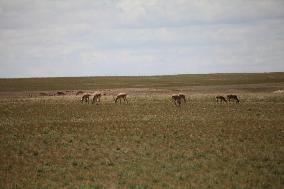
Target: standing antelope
<point>121,96</point>
<point>85,98</point>
<point>97,97</point>
<point>221,99</point>
<point>233,97</point>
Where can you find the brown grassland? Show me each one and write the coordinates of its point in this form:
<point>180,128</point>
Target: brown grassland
<point>58,142</point>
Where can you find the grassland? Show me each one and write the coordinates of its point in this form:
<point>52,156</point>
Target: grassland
<point>57,142</point>
<point>165,82</point>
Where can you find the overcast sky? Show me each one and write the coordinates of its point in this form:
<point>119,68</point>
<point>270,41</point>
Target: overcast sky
<point>46,38</point>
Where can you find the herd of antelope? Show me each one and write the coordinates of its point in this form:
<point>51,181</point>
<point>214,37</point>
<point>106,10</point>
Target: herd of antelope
<point>97,97</point>
<point>229,98</point>
<point>177,99</point>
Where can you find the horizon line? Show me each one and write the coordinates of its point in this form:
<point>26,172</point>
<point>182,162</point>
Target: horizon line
<point>150,75</point>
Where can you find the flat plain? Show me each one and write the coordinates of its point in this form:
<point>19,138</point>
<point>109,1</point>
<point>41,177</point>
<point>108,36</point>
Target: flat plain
<point>57,142</point>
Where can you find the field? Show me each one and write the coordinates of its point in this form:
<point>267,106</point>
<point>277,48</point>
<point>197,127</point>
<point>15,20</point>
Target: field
<point>57,142</point>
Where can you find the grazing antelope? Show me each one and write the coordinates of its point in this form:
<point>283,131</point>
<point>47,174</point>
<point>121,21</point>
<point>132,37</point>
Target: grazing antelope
<point>97,97</point>
<point>121,96</point>
<point>233,97</point>
<point>221,99</point>
<point>85,98</point>
<point>176,98</point>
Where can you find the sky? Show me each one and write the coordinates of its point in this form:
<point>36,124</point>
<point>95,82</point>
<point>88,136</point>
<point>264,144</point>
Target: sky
<point>50,38</point>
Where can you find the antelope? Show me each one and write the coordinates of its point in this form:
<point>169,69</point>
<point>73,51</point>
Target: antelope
<point>121,96</point>
<point>85,98</point>
<point>233,97</point>
<point>178,98</point>
<point>97,97</point>
<point>221,99</point>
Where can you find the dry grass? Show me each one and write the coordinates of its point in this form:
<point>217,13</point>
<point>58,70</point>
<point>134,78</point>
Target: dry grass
<point>164,82</point>
<point>56,142</point>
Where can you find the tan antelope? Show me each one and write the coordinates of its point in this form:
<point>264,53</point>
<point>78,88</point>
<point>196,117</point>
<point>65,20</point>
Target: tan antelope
<point>121,96</point>
<point>97,97</point>
<point>220,99</point>
<point>85,98</point>
<point>233,97</point>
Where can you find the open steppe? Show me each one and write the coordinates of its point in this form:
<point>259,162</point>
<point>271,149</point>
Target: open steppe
<point>58,142</point>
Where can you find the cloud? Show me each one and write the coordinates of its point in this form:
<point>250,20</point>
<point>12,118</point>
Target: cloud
<point>129,37</point>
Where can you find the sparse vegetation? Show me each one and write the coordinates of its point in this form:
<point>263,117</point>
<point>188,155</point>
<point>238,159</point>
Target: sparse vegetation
<point>174,81</point>
<point>57,142</point>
